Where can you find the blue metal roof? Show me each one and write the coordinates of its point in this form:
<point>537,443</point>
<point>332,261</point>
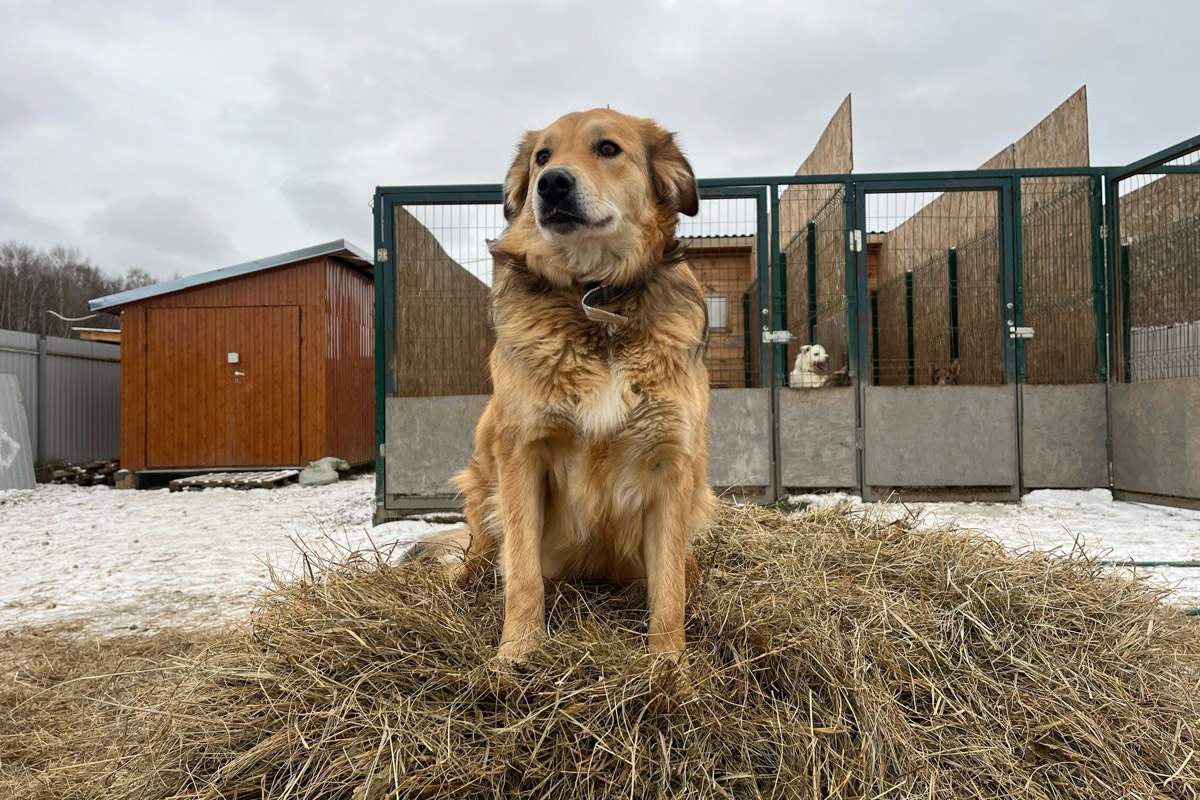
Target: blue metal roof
<point>338,248</point>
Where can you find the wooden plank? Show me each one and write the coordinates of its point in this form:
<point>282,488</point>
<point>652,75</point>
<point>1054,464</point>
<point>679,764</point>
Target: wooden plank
<point>272,479</point>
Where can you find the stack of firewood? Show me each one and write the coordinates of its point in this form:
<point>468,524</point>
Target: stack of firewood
<point>93,473</point>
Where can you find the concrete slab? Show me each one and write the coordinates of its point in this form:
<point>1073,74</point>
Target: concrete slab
<point>1156,437</point>
<point>940,436</point>
<point>816,438</point>
<point>1064,437</point>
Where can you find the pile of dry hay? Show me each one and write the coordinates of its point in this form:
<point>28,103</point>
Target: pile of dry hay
<point>831,656</point>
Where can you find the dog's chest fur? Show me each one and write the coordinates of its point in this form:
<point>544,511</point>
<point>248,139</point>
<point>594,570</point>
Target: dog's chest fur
<point>590,380</point>
<point>589,376</point>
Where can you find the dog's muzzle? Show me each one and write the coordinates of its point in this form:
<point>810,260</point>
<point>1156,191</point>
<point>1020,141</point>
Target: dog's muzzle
<point>558,206</point>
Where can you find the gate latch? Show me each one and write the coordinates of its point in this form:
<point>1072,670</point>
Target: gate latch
<point>776,337</point>
<point>1020,332</point>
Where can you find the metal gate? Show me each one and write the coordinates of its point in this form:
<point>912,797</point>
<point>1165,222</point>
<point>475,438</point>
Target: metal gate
<point>1154,258</point>
<point>913,286</point>
<point>434,272</point>
<point>939,405</point>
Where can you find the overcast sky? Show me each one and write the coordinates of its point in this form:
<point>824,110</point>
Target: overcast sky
<point>185,136</point>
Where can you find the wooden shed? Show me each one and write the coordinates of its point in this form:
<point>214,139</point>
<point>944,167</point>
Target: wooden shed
<point>264,364</point>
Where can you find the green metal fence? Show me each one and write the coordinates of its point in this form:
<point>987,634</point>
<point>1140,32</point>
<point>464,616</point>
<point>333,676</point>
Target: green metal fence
<point>1154,251</point>
<point>996,277</point>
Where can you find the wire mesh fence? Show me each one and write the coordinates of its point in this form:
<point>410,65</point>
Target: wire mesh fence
<point>444,272</point>
<point>1063,283</point>
<point>935,299</point>
<point>1158,272</point>
<point>812,236</point>
<point>722,249</point>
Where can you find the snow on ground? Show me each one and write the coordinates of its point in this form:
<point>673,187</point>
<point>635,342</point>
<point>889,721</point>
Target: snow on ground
<point>1054,519</point>
<point>113,560</point>
<point>136,560</point>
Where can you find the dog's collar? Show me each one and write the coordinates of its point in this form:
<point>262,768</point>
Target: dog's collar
<point>596,295</point>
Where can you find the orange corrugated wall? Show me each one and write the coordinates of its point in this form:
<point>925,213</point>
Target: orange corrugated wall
<point>336,371</point>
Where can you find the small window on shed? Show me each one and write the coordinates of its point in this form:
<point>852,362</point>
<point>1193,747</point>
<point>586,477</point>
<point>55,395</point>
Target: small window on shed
<point>718,312</point>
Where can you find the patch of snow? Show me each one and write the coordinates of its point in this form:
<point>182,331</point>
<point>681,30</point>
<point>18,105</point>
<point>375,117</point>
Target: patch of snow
<point>1060,520</point>
<point>119,560</point>
<point>150,559</point>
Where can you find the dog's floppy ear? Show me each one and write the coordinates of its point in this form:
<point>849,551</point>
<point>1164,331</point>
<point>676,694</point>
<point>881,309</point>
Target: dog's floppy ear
<point>672,176</point>
<point>806,348</point>
<point>516,183</point>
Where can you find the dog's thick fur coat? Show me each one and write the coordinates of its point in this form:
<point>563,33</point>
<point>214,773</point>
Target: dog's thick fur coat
<point>591,458</point>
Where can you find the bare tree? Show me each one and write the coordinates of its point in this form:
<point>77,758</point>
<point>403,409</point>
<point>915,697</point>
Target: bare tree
<point>33,281</point>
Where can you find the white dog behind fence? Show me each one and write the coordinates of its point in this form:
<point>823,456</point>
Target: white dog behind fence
<point>809,371</point>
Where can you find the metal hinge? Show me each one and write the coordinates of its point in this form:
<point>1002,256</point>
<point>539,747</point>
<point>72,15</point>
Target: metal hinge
<point>776,337</point>
<point>1103,231</point>
<point>858,437</point>
<point>1020,332</point>
<point>381,255</point>
<point>855,241</point>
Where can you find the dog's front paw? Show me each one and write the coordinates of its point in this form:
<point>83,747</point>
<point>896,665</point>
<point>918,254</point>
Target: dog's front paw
<point>516,650</point>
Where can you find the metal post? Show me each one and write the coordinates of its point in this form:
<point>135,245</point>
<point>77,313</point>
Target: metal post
<point>1099,280</point>
<point>908,327</point>
<point>781,314</point>
<point>853,214</point>
<point>1126,324</point>
<point>778,315</point>
<point>1018,278</point>
<point>810,247</point>
<point>952,265</point>
<point>874,337</point>
<point>858,284</point>
<point>747,351</point>
<point>768,375</point>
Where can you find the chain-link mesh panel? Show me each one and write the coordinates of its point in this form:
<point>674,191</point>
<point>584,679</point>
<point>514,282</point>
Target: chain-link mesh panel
<point>812,243</point>
<point>1158,273</point>
<point>935,299</point>
<point>443,275</point>
<point>444,271</point>
<point>722,249</point>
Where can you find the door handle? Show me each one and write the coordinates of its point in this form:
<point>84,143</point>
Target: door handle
<point>238,374</point>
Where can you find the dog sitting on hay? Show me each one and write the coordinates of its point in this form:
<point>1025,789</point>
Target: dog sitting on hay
<point>591,458</point>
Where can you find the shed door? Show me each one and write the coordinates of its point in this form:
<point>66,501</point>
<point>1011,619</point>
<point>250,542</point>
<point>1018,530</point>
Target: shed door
<point>204,410</point>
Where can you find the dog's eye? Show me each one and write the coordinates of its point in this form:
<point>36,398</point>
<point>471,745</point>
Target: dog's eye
<point>542,157</point>
<point>608,149</point>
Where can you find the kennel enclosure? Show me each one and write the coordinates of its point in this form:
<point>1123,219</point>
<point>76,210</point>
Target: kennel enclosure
<point>1061,300</point>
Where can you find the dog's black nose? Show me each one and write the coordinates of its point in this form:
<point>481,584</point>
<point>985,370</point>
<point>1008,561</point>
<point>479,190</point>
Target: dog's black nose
<point>555,184</point>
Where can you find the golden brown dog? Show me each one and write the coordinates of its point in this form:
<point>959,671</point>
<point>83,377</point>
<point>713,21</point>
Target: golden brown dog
<point>591,457</point>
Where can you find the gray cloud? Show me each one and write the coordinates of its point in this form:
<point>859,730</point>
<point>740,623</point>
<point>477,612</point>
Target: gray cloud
<point>330,210</point>
<point>163,224</point>
<point>17,223</point>
<point>198,135</point>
